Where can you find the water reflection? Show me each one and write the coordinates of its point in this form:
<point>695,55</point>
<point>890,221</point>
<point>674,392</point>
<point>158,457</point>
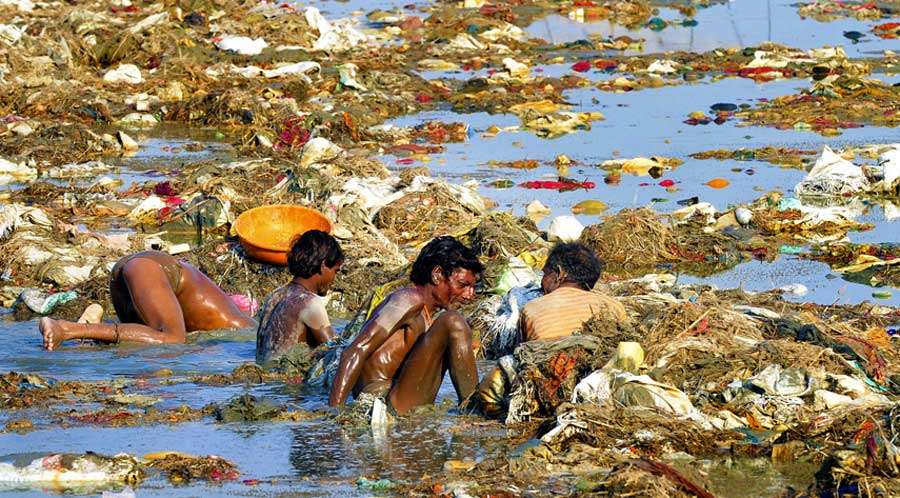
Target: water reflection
<point>411,448</point>
<point>728,24</point>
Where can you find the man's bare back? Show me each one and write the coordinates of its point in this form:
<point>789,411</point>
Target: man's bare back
<point>295,313</point>
<point>291,315</point>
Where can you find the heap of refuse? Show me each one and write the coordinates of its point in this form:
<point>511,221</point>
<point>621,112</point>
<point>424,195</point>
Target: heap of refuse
<point>295,106</point>
<point>697,373</point>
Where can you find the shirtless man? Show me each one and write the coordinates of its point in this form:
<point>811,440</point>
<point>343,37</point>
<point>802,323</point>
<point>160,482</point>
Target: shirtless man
<point>401,351</point>
<point>295,313</point>
<point>158,299</point>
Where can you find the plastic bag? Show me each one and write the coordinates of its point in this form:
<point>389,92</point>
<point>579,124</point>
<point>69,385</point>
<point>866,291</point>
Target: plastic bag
<point>832,175</point>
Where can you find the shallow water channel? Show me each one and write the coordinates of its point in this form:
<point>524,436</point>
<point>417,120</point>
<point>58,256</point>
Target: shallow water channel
<point>317,457</point>
<point>320,458</point>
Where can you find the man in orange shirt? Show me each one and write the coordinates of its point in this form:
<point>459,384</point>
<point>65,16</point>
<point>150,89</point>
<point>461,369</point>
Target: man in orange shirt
<point>571,271</point>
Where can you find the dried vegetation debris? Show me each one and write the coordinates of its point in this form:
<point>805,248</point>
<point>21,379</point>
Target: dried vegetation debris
<point>181,468</point>
<point>810,381</point>
<point>309,113</point>
<point>781,156</point>
<point>833,104</point>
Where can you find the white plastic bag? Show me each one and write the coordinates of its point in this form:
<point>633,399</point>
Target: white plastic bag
<point>832,175</point>
<point>242,45</point>
<point>565,229</point>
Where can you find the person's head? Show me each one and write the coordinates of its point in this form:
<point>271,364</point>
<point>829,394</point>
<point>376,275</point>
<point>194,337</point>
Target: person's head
<point>571,263</point>
<point>451,268</point>
<point>316,255</point>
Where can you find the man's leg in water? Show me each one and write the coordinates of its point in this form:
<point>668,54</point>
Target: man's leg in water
<point>152,299</point>
<point>447,345</point>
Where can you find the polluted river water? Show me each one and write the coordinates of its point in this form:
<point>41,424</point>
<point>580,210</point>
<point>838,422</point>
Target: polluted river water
<point>320,458</point>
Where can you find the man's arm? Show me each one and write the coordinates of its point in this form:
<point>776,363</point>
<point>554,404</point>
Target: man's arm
<point>315,318</point>
<point>397,309</point>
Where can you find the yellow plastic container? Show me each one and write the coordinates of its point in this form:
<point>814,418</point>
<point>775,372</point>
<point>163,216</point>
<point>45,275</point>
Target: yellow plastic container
<point>266,232</point>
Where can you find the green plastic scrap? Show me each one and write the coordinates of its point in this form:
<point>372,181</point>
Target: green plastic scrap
<point>869,382</point>
<point>39,303</point>
<point>502,183</point>
<point>375,485</point>
<point>786,249</point>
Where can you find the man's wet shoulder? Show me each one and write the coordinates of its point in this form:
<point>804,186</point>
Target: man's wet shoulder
<point>406,296</point>
<point>292,292</point>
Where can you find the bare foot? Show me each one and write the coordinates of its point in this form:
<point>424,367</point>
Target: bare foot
<point>52,332</point>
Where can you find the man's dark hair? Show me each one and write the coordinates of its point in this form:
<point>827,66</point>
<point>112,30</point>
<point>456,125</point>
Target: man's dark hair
<point>447,253</point>
<point>581,265</point>
<point>310,250</point>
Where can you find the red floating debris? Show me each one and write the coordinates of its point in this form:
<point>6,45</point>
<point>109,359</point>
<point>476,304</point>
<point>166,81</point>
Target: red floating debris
<point>605,64</point>
<point>582,66</point>
<point>558,185</point>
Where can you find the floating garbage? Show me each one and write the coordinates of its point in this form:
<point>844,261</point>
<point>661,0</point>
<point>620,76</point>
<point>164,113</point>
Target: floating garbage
<point>717,183</point>
<point>558,184</point>
<point>72,471</point>
<point>590,207</point>
<point>43,303</point>
<point>182,468</point>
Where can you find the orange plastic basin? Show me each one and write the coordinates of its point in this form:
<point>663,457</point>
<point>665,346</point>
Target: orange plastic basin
<point>266,232</point>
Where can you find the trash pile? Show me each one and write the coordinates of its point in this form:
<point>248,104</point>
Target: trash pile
<point>300,104</point>
<point>369,212</point>
<point>19,391</point>
<point>870,264</point>
<point>700,240</point>
<point>833,175</point>
<point>180,468</point>
<point>65,471</point>
<point>781,156</point>
<point>764,63</point>
<point>830,10</point>
<point>90,472</point>
<point>832,104</point>
<point>700,372</point>
<point>129,416</point>
<point>247,408</point>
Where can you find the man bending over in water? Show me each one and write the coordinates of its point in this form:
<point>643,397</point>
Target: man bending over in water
<point>402,351</point>
<point>295,313</point>
<point>158,299</point>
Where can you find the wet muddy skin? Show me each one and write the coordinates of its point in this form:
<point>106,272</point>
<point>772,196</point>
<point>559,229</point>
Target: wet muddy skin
<point>321,458</point>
